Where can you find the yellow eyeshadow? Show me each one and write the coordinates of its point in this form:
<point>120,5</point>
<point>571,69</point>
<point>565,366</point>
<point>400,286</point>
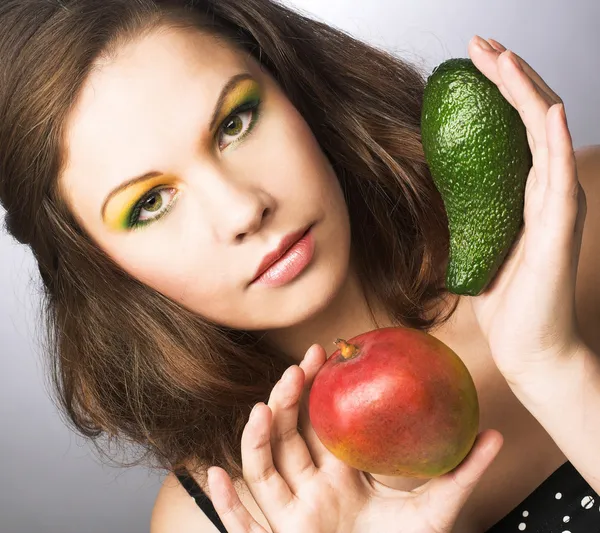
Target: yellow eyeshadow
<point>118,210</point>
<point>244,91</point>
<point>119,207</point>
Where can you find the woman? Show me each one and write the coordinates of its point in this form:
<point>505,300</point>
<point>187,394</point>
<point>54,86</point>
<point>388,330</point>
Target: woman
<point>158,156</point>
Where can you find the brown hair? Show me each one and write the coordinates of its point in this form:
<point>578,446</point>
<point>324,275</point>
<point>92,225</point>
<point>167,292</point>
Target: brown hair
<point>125,362</point>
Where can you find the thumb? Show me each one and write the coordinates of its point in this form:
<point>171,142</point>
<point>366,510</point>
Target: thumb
<point>446,495</point>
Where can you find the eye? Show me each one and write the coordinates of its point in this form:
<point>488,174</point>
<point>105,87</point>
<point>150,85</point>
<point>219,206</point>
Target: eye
<point>240,122</point>
<point>152,206</point>
<point>238,125</point>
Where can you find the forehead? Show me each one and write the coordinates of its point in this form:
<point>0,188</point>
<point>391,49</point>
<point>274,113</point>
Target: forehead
<point>167,81</point>
<point>176,48</point>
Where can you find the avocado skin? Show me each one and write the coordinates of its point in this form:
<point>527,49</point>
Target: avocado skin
<point>475,145</point>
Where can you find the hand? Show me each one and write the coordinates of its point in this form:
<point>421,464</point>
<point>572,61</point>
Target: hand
<point>527,313</point>
<point>301,487</point>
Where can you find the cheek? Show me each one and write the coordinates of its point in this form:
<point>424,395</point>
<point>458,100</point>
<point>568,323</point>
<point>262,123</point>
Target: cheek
<point>296,166</point>
<point>200,290</point>
<point>186,276</point>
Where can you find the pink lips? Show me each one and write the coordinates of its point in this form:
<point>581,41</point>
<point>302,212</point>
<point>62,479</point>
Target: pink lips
<point>288,260</point>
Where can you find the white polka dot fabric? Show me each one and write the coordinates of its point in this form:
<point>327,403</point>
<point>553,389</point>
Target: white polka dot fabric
<point>563,503</point>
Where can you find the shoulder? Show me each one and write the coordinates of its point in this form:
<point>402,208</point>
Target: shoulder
<point>588,168</point>
<point>588,275</point>
<point>589,153</point>
<point>175,511</point>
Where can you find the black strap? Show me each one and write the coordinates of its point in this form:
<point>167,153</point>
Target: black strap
<point>200,497</point>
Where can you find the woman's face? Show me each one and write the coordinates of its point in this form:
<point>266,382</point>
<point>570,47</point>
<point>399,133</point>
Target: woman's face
<point>220,195</point>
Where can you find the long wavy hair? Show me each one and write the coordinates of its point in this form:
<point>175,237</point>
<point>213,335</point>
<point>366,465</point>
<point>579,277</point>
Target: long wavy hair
<point>127,365</point>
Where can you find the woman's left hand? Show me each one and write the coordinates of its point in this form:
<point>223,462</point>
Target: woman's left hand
<point>527,313</point>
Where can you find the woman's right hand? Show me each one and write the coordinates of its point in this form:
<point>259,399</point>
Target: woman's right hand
<point>301,487</point>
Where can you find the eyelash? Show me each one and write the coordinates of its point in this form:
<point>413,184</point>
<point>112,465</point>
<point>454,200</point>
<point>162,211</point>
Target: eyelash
<point>134,222</point>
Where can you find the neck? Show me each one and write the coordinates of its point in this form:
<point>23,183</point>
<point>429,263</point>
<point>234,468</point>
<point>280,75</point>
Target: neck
<point>346,316</point>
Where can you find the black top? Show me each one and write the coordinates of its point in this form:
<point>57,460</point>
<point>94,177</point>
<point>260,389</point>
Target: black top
<point>563,503</point>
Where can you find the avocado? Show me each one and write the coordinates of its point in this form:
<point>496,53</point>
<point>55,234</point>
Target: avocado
<point>475,145</point>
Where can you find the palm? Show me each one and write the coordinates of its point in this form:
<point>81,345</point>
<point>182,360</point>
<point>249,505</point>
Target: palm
<point>328,502</point>
<point>499,309</point>
<point>340,498</point>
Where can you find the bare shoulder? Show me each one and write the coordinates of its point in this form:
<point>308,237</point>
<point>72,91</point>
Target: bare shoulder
<point>175,511</point>
<point>588,275</point>
<point>588,154</point>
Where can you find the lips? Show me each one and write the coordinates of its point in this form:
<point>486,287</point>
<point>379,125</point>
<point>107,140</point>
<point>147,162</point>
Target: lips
<point>285,244</point>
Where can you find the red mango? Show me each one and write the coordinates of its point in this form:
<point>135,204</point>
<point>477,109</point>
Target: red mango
<point>395,401</point>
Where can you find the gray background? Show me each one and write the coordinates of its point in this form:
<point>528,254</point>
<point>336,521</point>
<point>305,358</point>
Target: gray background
<point>49,479</point>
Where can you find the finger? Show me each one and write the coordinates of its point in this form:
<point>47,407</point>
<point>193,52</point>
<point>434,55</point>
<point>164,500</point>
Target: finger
<point>232,512</point>
<point>561,219</point>
<point>527,100</point>
<point>562,171</point>
<point>314,359</point>
<point>494,65</point>
<point>269,489</point>
<point>485,58</point>
<point>290,453</point>
<point>496,44</point>
<point>537,79</point>
<point>491,70</point>
<point>445,496</point>
<point>488,62</point>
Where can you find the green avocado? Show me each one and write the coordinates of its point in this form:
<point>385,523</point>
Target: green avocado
<point>476,148</point>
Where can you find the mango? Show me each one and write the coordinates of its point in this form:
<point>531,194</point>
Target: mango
<point>395,401</point>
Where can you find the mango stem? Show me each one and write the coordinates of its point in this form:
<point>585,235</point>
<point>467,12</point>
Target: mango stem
<point>347,350</point>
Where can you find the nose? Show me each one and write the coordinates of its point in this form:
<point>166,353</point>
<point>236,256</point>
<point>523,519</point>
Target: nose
<point>240,208</point>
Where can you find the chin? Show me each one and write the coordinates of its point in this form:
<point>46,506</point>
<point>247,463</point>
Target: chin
<point>307,303</point>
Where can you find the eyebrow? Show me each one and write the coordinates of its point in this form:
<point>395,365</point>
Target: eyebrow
<point>227,88</point>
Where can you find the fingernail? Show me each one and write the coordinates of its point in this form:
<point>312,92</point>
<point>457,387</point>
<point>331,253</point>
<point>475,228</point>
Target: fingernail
<point>563,113</point>
<point>498,46</point>
<point>515,61</point>
<point>210,473</point>
<point>483,44</point>
<point>287,375</point>
<point>254,411</point>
